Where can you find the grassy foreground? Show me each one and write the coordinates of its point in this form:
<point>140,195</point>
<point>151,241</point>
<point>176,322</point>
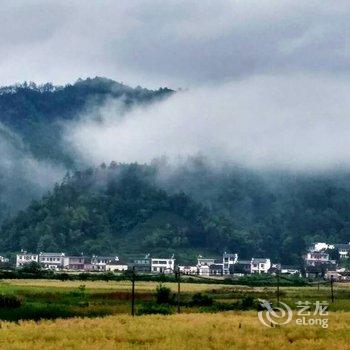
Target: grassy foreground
<point>186,331</point>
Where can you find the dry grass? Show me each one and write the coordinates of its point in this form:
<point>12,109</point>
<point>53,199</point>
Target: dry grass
<point>190,331</point>
<point>111,285</point>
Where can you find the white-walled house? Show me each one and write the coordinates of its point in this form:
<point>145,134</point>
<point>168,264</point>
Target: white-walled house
<point>260,265</point>
<point>343,249</point>
<point>228,261</point>
<point>204,270</point>
<point>205,261</point>
<point>116,266</point>
<point>74,262</point>
<point>316,258</point>
<point>24,258</point>
<point>52,261</point>
<point>188,270</point>
<point>99,263</point>
<point>162,265</point>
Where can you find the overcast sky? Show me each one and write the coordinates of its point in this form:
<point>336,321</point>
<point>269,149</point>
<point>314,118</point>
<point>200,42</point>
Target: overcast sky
<point>171,43</point>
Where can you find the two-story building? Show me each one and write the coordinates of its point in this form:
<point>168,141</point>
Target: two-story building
<point>316,258</point>
<point>52,261</point>
<point>260,265</point>
<point>228,262</point>
<point>116,266</point>
<point>165,266</point>
<point>25,258</point>
<point>74,262</point>
<point>99,263</point>
<point>343,249</point>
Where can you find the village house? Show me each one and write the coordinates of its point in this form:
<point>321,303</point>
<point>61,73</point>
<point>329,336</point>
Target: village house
<point>242,267</point>
<point>99,263</point>
<point>205,261</point>
<point>290,270</point>
<point>142,265</point>
<point>228,262</point>
<point>188,270</point>
<point>74,262</point>
<point>336,276</point>
<point>116,266</point>
<point>204,270</point>
<point>216,270</point>
<point>316,258</point>
<point>343,249</point>
<point>52,261</point>
<point>159,265</point>
<point>25,258</point>
<point>260,265</point>
<point>203,266</point>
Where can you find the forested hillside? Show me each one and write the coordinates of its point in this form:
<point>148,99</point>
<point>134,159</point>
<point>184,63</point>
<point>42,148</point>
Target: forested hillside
<point>116,209</point>
<point>195,209</point>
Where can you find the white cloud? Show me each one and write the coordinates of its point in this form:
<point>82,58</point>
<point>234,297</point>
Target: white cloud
<point>292,122</point>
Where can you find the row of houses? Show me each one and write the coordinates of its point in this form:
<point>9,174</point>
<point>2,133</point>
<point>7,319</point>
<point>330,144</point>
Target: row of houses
<point>318,261</point>
<point>61,261</point>
<point>228,264</point>
<point>321,247</point>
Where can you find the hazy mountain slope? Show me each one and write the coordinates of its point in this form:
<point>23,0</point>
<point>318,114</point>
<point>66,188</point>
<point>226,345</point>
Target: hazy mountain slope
<point>36,113</point>
<point>33,152</point>
<point>195,209</point>
<point>115,209</point>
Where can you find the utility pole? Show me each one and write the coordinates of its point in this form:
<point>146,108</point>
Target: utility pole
<point>177,276</point>
<point>332,291</point>
<point>133,277</point>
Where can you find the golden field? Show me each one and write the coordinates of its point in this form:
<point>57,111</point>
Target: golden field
<point>229,330</point>
<point>111,285</point>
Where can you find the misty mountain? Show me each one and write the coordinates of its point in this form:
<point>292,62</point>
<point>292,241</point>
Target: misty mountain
<point>34,154</point>
<point>185,207</point>
<point>37,113</point>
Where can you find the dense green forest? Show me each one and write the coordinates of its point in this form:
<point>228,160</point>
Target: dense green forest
<point>195,207</point>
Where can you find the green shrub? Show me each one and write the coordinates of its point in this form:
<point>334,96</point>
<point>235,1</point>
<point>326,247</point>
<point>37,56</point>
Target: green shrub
<point>163,294</point>
<point>200,299</point>
<point>152,308</point>
<point>10,301</point>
